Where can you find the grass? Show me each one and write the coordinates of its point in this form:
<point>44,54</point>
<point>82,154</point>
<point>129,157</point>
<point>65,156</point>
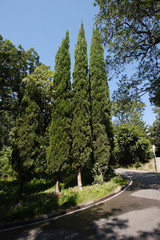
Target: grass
<point>40,198</point>
<point>148,166</point>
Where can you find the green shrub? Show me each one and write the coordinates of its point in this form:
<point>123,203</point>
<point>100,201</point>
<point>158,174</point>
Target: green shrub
<point>5,162</point>
<point>98,179</point>
<point>132,145</point>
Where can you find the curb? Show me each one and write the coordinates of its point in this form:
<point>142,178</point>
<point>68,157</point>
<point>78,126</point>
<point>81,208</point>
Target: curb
<point>56,215</point>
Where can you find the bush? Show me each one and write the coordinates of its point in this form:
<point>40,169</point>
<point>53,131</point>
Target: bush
<point>5,162</point>
<point>98,179</point>
<point>132,145</point>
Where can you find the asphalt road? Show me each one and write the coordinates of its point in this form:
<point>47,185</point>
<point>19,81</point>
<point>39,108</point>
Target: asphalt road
<point>134,214</point>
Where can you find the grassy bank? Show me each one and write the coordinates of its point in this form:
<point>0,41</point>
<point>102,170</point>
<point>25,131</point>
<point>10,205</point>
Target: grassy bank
<point>40,197</point>
<point>148,166</point>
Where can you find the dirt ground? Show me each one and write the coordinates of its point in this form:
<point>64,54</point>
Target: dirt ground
<point>148,166</point>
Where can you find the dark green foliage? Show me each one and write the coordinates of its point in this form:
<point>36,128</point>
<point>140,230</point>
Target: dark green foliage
<point>31,125</point>
<point>5,162</point>
<point>100,105</point>
<point>59,151</point>
<point>154,92</point>
<point>39,88</point>
<point>7,122</point>
<point>81,130</point>
<point>132,145</point>
<point>15,64</point>
<point>25,149</point>
<point>154,130</point>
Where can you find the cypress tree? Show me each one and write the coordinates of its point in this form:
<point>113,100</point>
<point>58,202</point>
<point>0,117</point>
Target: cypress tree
<point>100,106</point>
<point>81,130</point>
<point>25,147</point>
<point>59,151</point>
<point>31,125</point>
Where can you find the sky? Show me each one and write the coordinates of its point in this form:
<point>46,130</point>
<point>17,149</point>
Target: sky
<point>42,24</point>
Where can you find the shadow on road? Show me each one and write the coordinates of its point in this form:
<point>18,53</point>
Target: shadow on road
<point>114,231</point>
<point>108,230</point>
<point>142,180</point>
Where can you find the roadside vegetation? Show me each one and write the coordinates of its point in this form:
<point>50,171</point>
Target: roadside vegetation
<point>148,166</point>
<point>40,197</point>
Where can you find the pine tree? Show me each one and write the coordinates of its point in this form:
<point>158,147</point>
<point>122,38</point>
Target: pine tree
<point>136,119</point>
<point>59,151</point>
<point>81,130</point>
<point>100,106</point>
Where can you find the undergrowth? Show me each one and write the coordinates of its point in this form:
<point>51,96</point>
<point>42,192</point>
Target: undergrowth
<point>40,197</point>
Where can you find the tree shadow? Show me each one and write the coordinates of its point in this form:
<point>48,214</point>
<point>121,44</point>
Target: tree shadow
<point>114,231</point>
<point>155,235</point>
<point>81,226</point>
<point>107,229</point>
<point>71,202</point>
<point>81,222</point>
<point>111,230</point>
<point>142,180</point>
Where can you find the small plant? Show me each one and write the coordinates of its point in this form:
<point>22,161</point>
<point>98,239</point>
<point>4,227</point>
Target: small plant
<point>5,162</point>
<point>98,179</point>
<point>119,180</point>
<point>137,164</point>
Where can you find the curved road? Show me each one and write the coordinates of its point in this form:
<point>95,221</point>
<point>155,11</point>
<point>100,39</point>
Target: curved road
<point>132,215</point>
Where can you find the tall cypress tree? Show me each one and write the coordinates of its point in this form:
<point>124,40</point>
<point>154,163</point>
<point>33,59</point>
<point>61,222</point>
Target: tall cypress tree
<point>81,131</point>
<point>100,105</point>
<point>25,147</point>
<point>59,151</point>
<point>31,125</point>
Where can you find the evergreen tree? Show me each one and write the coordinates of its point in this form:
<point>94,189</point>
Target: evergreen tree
<point>31,125</point>
<point>39,85</point>
<point>100,106</point>
<point>154,130</point>
<point>136,119</point>
<point>59,151</point>
<point>25,147</point>
<point>81,130</point>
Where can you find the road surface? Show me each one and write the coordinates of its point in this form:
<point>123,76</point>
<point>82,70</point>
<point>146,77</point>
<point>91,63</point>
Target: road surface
<point>157,159</point>
<point>132,215</point>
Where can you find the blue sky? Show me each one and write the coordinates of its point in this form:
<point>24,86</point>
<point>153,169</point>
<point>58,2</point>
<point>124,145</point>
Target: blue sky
<point>42,24</point>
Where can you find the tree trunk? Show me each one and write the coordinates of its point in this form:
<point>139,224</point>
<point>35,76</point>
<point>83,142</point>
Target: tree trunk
<point>100,173</point>
<point>20,189</point>
<point>79,179</point>
<point>58,189</point>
